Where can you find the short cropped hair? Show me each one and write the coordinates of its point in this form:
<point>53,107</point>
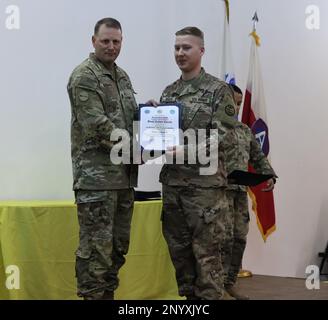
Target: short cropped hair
<point>191,31</point>
<point>235,88</point>
<point>109,22</point>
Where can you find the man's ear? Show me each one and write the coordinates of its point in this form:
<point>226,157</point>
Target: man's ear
<point>202,51</point>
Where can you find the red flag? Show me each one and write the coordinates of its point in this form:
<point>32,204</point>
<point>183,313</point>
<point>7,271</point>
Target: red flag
<point>254,115</point>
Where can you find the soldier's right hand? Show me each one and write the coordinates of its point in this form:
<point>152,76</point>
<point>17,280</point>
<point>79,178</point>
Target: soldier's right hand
<point>270,185</point>
<point>152,102</point>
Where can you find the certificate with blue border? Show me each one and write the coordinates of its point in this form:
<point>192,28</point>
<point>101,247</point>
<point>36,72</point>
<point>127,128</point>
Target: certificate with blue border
<point>159,127</point>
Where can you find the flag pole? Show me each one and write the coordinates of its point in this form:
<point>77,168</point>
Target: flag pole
<point>242,272</point>
<point>255,21</point>
<point>227,7</point>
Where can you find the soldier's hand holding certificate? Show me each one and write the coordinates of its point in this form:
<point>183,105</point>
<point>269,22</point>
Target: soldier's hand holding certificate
<point>159,126</point>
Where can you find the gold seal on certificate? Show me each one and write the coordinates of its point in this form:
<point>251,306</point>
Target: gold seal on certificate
<point>159,126</point>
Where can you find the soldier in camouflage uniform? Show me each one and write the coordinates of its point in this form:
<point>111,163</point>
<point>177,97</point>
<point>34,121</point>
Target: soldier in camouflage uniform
<point>195,205</point>
<point>102,100</point>
<point>241,148</point>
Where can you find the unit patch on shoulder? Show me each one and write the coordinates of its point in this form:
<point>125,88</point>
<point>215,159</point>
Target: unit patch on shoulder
<point>230,110</point>
<point>83,96</point>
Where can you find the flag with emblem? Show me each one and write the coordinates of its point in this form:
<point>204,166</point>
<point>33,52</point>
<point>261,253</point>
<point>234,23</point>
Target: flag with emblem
<point>254,115</point>
<point>227,74</point>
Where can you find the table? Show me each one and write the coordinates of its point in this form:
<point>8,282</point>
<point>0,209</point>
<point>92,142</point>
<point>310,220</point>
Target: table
<point>40,238</point>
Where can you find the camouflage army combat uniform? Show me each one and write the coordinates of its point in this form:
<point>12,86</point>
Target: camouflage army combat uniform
<point>194,205</point>
<point>241,149</point>
<point>101,101</point>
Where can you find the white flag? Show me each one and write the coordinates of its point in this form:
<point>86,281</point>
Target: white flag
<point>227,71</point>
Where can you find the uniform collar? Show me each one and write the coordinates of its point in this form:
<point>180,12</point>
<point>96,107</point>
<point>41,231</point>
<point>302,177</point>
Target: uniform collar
<point>101,67</point>
<point>192,85</point>
<point>195,81</point>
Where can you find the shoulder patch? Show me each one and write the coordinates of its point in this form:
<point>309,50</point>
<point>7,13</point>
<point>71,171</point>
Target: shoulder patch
<point>230,110</point>
<point>83,96</point>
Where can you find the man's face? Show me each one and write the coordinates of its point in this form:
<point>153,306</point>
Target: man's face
<point>107,44</point>
<point>238,99</point>
<point>188,51</point>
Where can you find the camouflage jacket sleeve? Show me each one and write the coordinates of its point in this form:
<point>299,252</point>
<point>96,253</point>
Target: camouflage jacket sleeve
<point>224,110</point>
<point>257,158</point>
<point>89,103</point>
<point>230,149</point>
<point>223,118</point>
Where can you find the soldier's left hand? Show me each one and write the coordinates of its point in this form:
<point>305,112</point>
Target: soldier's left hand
<point>270,186</point>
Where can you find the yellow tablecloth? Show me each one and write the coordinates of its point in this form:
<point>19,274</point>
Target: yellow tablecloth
<point>40,238</point>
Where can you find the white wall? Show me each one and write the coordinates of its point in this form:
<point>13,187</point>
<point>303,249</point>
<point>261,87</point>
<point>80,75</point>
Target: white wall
<point>295,74</point>
<point>55,36</point>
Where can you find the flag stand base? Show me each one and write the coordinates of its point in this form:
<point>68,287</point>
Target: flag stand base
<point>244,273</point>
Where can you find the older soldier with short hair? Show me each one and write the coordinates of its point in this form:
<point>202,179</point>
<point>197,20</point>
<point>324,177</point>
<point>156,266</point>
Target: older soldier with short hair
<point>195,205</point>
<point>102,100</point>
